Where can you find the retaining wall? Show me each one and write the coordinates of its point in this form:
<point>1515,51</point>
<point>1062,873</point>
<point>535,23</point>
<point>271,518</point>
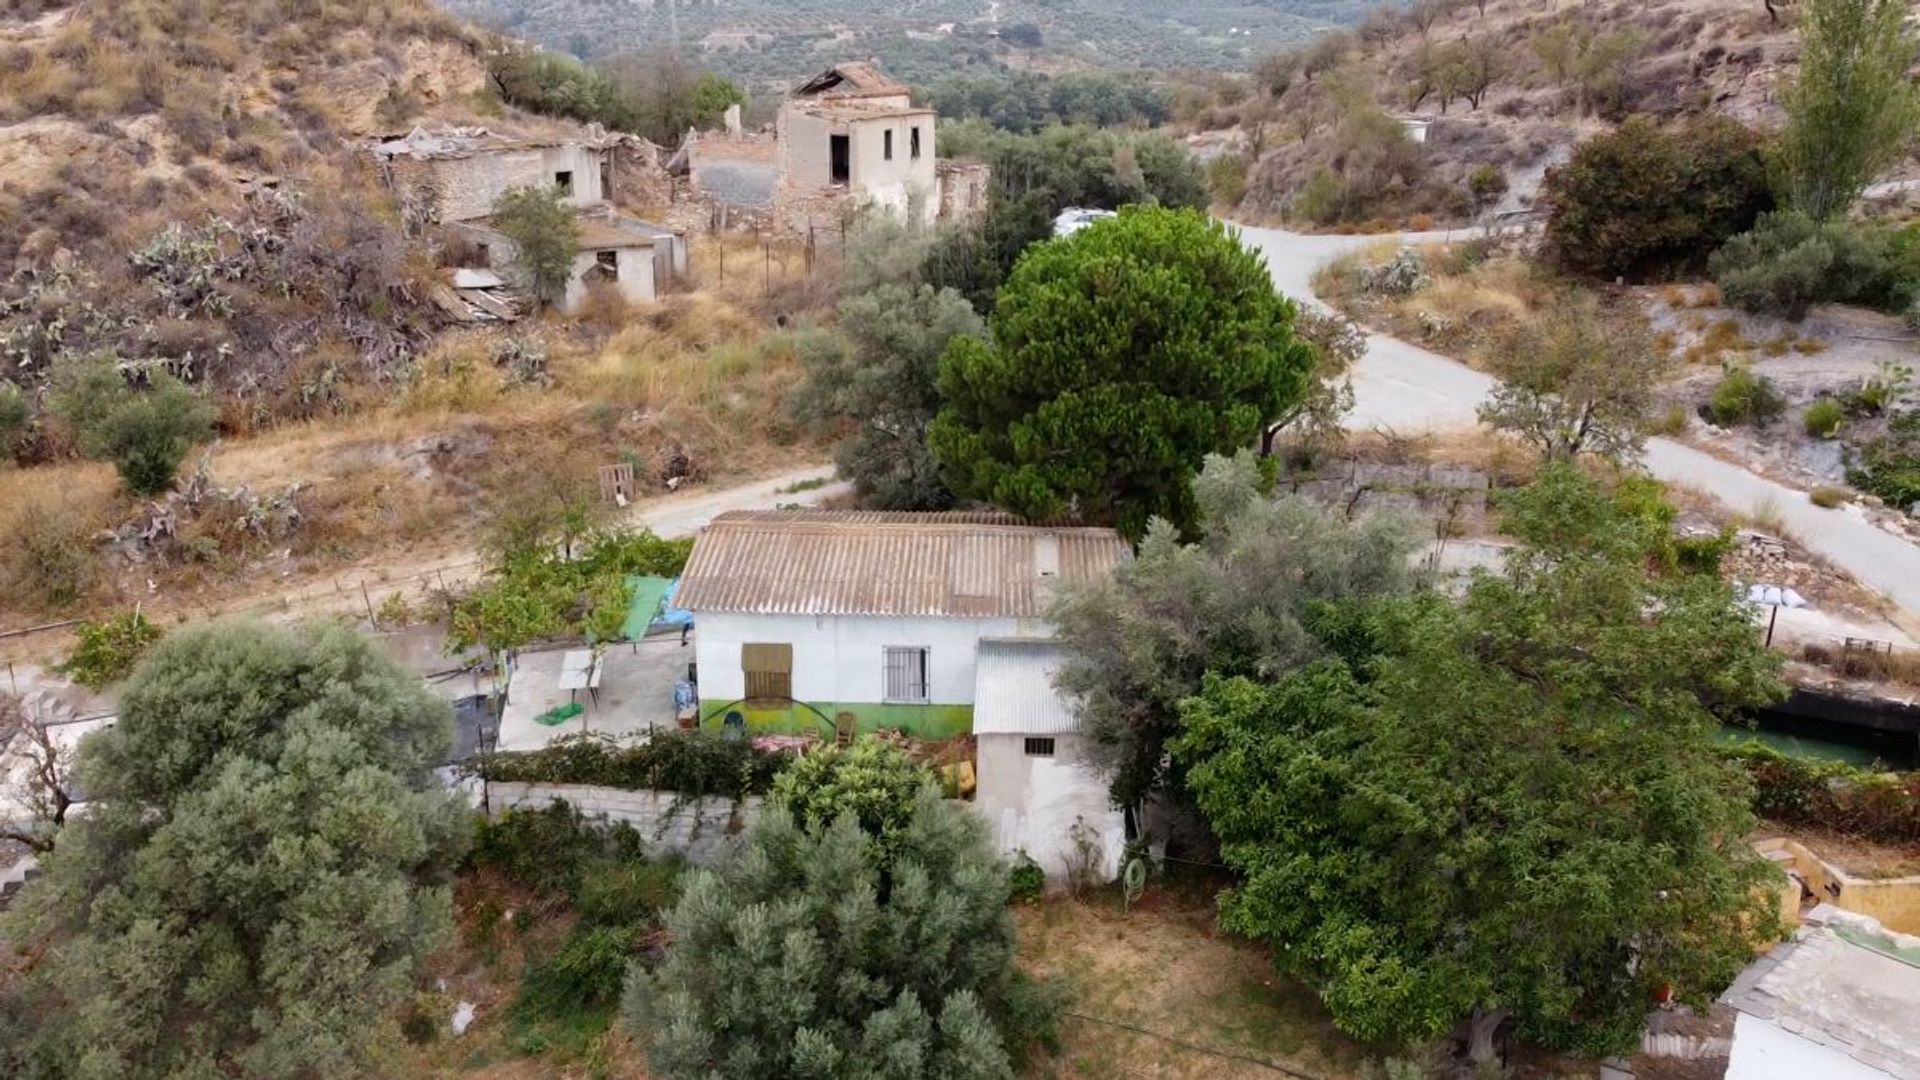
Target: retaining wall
<point>1894,901</point>
<point>699,830</point>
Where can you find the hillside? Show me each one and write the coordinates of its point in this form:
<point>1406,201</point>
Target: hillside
<point>769,43</point>
<point>1508,86</point>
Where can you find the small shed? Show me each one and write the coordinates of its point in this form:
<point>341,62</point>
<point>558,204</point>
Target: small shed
<point>1039,792</point>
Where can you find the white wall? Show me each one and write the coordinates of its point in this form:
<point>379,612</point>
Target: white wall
<point>898,183</point>
<point>841,658</point>
<point>468,187</point>
<point>636,275</point>
<point>1763,1051</point>
<point>1032,803</point>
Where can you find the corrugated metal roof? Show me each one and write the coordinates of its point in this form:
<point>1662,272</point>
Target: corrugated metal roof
<point>824,562</point>
<point>1013,691</point>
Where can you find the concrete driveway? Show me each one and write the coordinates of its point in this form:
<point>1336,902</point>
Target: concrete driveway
<point>1404,388</point>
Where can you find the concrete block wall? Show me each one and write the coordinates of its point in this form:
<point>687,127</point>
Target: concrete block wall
<point>699,830</point>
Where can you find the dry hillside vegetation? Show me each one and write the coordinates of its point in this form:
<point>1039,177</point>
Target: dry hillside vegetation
<point>1511,85</point>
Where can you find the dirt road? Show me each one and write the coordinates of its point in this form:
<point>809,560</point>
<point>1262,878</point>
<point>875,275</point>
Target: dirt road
<point>1402,387</point>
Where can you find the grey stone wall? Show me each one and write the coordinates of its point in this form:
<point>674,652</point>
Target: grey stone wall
<point>700,830</point>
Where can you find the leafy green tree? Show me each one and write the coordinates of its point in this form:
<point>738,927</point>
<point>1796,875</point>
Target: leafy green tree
<point>105,652</point>
<point>1647,199</point>
<point>263,865</point>
<point>878,377</point>
<point>145,434</point>
<point>539,589</point>
<point>1238,601</point>
<point>817,951</point>
<point>1121,356</point>
<point>541,224</point>
<point>874,781</point>
<point>1852,108</point>
<point>1507,808</point>
<point>1577,378</point>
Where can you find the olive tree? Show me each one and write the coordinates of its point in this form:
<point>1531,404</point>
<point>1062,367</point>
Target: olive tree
<point>264,863</point>
<point>1576,379</point>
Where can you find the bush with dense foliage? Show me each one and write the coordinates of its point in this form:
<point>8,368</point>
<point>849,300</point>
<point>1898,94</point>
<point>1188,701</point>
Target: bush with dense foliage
<point>698,763</point>
<point>262,868</point>
<point>1648,199</point>
<point>1120,357</point>
<point>1431,783</point>
<point>1024,101</point>
<point>105,652</point>
<point>654,95</point>
<point>1788,262</point>
<point>1238,601</point>
<point>1823,418</point>
<point>876,380</point>
<point>873,780</point>
<point>820,951</point>
<point>1832,796</point>
<point>145,433</point>
<point>1889,466</point>
<point>1744,396</point>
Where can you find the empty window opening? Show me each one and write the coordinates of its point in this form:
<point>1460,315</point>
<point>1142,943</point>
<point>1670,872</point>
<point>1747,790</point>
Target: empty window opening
<point>1039,747</point>
<point>483,254</point>
<point>886,145</point>
<point>840,154</point>
<point>606,180</point>
<point>608,264</point>
<point>769,671</point>
<point>906,673</point>
<point>563,181</point>
<point>913,142</point>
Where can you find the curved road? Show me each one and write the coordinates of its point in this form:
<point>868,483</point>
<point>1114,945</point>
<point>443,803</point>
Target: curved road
<point>1404,388</point>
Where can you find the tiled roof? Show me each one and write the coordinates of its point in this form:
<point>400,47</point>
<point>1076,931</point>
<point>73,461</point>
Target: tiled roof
<point>962,565</point>
<point>1013,690</point>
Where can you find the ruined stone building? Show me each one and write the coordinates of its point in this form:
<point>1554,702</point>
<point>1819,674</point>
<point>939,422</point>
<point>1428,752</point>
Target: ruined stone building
<point>453,177</point>
<point>852,128</point>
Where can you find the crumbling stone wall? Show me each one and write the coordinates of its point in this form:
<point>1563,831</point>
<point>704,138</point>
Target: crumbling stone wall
<point>669,823</point>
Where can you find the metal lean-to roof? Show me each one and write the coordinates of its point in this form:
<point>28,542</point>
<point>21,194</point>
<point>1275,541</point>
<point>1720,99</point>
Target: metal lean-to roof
<point>1013,691</point>
<point>960,565</point>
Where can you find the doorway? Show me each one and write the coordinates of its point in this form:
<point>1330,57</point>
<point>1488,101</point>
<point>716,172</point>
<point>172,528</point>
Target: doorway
<point>840,153</point>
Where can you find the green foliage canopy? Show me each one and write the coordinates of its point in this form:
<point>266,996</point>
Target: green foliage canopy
<point>107,651</point>
<point>539,590</point>
<point>1239,601</point>
<point>1120,357</point>
<point>262,868</point>
<point>879,377</point>
<point>546,237</point>
<point>819,952</point>
<point>1505,807</point>
<point>1646,199</point>
<point>1851,109</point>
<point>1577,378</point>
<point>146,434</point>
<point>874,781</point>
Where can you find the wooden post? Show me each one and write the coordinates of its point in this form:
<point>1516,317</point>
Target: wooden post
<point>367,600</point>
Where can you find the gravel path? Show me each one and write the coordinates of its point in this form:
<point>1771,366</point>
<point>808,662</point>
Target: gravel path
<point>1405,388</point>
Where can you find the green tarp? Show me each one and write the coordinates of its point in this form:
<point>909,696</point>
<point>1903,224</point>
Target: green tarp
<point>649,596</point>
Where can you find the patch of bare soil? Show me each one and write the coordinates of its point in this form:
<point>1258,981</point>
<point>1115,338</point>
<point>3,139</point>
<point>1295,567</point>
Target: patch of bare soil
<point>1861,858</point>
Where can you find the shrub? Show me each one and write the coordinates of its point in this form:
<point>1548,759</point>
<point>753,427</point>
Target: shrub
<point>1648,199</point>
<point>1026,881</point>
<point>47,557</point>
<point>1834,796</point>
<point>1823,418</point>
<point>1827,497</point>
<point>144,434</point>
<point>1889,466</point>
<point>1227,179</point>
<point>546,237</point>
<point>1788,262</point>
<point>106,652</point>
<point>1744,397</point>
<point>699,763</point>
<point>1881,391</point>
<point>874,781</point>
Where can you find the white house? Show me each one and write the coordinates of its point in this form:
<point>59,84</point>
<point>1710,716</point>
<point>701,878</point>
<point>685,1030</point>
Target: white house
<point>1838,1002</point>
<point>852,127</point>
<point>843,621</point>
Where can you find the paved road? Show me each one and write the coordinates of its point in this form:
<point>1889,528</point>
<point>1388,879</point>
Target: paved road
<point>1408,389</point>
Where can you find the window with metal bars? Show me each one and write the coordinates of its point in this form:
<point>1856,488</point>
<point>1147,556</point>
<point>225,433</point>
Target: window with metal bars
<point>1039,747</point>
<point>906,673</point>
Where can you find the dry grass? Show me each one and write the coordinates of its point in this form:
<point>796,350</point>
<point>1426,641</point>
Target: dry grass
<point>1716,340</point>
<point>1166,967</point>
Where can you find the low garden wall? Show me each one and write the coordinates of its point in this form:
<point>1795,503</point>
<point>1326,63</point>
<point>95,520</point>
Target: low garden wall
<point>669,823</point>
<point>1893,901</point>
